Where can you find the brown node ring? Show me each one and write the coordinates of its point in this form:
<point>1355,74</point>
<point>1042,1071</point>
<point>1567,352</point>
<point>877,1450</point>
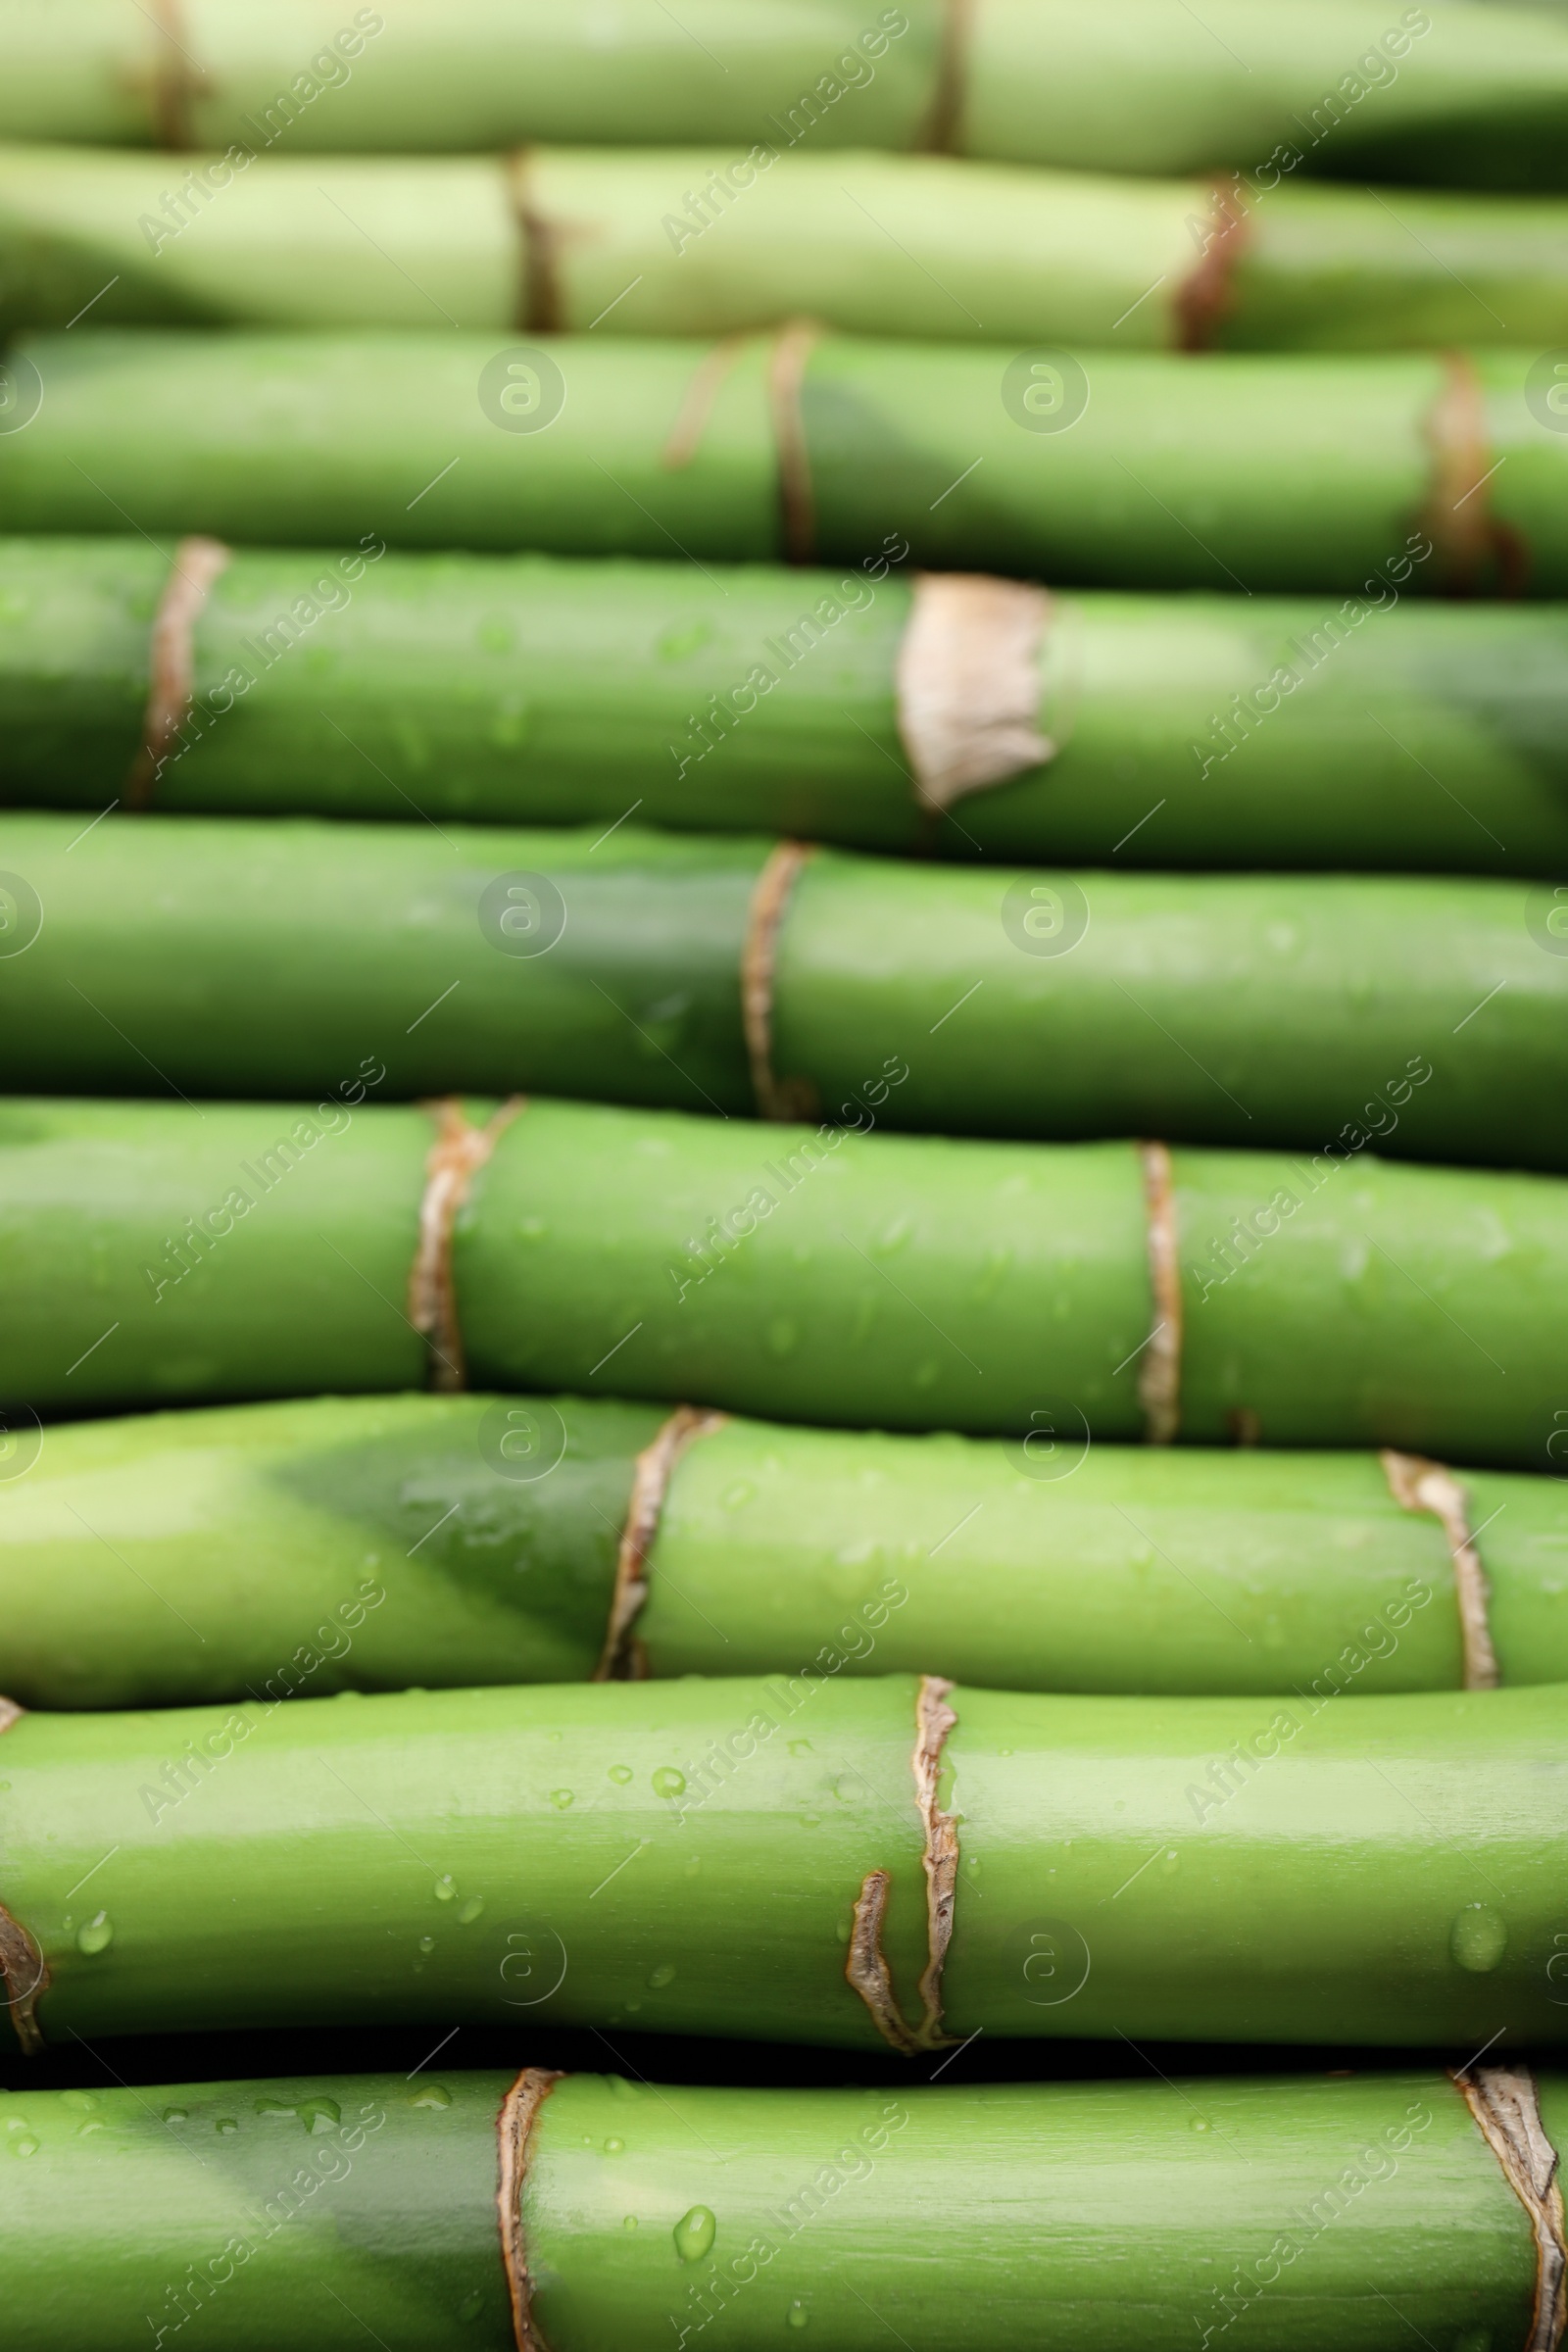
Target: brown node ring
<point>541,301</point>
<point>786,380</point>
<point>866,1969</point>
<point>624,1658</point>
<point>792,1098</point>
<point>520,2112</point>
<point>454,1160</point>
<point>1470,544</point>
<point>196,564</point>
<point>23,1970</point>
<point>1506,2107</point>
<point>1207,296</point>
<point>1418,1485</point>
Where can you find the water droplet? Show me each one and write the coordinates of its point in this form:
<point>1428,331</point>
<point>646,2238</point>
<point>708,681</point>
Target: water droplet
<point>561,1798</point>
<point>810,1820</point>
<point>800,1747</point>
<point>693,1867</point>
<point>430,2095</point>
<point>664,1974</point>
<point>176,2115</point>
<point>470,1911</point>
<point>82,2101</point>
<point>1478,1940</point>
<point>279,2110</point>
<point>29,2146</point>
<point>614,2147</point>
<point>621,2086</point>
<point>428,1944</point>
<point>620,1773</point>
<point>445,1888</point>
<point>95,1935</point>
<point>1169,1861</point>
<point>472,2304</point>
<point>695,2233</point>
<point>668,1782</point>
<point>629,2221</point>
<point>1198,2122</point>
<point>321,2115</point>
<point>226,2124</point>
<point>94,2122</point>
<point>796,2314</point>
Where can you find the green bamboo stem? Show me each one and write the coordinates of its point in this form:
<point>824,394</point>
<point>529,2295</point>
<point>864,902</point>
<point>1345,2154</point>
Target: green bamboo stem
<point>539,690</point>
<point>1349,88</point>
<point>810,1275</point>
<point>301,1549</point>
<point>1269,471</point>
<point>1235,1009</point>
<point>784,1858</point>
<point>696,242</point>
<point>1104,2217</point>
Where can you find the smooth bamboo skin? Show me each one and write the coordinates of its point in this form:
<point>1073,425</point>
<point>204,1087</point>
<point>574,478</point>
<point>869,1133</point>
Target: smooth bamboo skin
<point>1104,2217</point>
<point>870,244</point>
<point>898,1282</point>
<point>1270,472</point>
<point>689,1856</point>
<point>541,690</point>
<point>363,1545</point>
<point>1139,86</point>
<point>1238,1009</point>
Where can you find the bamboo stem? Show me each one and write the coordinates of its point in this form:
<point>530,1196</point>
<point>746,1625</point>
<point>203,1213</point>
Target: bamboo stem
<point>1271,472</point>
<point>693,1858</point>
<point>713,976</point>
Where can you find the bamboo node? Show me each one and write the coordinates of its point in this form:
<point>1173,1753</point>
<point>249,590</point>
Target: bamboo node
<point>1506,2107</point>
<point>26,1975</point>
<point>786,380</point>
<point>967,682</point>
<point>934,1719</point>
<point>1206,295</point>
<point>866,1969</point>
<point>624,1658</point>
<point>454,1160</point>
<point>520,2112</point>
<point>792,1098</point>
<point>1159,1374</point>
<point>1469,541</point>
<point>1418,1485</point>
<point>171,675</point>
<point>541,307</point>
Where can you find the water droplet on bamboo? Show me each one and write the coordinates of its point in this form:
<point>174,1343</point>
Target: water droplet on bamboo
<point>430,2095</point>
<point>428,1944</point>
<point>737,1497</point>
<point>224,2124</point>
<point>470,1911</point>
<point>620,1773</point>
<point>614,2148</point>
<point>176,2115</point>
<point>664,1974</point>
<point>321,2115</point>
<point>561,1798</point>
<point>1169,1861</point>
<point>629,2221</point>
<point>29,2146</point>
<point>669,1782</point>
<point>796,2314</point>
<point>472,2304</point>
<point>695,2233</point>
<point>95,1935</point>
<point>1478,1940</point>
<point>445,1888</point>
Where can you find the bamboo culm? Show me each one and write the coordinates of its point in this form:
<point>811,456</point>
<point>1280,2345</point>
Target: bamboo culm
<point>1104,2217</point>
<point>337,1543</point>
<point>254,959</point>
<point>699,242</point>
<point>807,1274</point>
<point>1270,472</point>
<point>1272,86</point>
<point>1211,732</point>
<point>883,1863</point>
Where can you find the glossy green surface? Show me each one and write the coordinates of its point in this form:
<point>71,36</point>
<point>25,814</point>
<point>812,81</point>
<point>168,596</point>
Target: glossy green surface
<point>705,241</point>
<point>1248,1011</point>
<point>257,2215</point>
<point>1042,2218</point>
<point>302,1548</point>
<point>1414,736</point>
<point>688,1855</point>
<point>1268,472</point>
<point>814,1275</point>
<point>1106,2215</point>
<point>1331,85</point>
<point>264,957</point>
<point>295,1549</point>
